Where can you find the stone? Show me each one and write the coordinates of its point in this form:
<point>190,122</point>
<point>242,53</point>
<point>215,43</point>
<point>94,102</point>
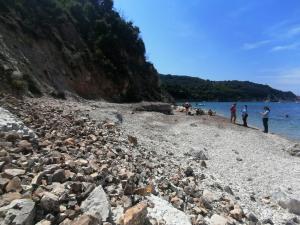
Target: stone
<point>3,182</point>
<point>38,178</point>
<point>3,153</point>
<point>9,197</point>
<point>164,211</point>
<point>24,145</point>
<point>67,221</point>
<point>76,187</point>
<point>209,196</point>
<point>10,173</point>
<point>189,172</point>
<point>44,222</point>
<point>45,143</point>
<point>14,185</point>
<point>251,217</point>
<point>135,215</point>
<point>293,221</point>
<point>132,140</point>
<point>109,125</point>
<point>160,107</point>
<point>86,220</point>
<point>200,155</point>
<point>19,212</point>
<point>267,221</point>
<point>59,176</point>
<point>218,220</point>
<point>295,150</point>
<point>69,141</point>
<point>12,136</point>
<point>126,202</point>
<point>237,213</point>
<point>203,164</point>
<point>177,202</point>
<point>97,204</point>
<point>50,202</point>
<point>294,206</point>
<point>228,190</point>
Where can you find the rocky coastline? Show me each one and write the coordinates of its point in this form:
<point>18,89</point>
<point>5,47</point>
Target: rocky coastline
<point>88,162</point>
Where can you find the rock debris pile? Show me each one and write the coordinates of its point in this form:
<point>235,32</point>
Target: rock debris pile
<point>77,171</point>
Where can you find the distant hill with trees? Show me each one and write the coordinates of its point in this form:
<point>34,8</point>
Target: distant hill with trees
<point>197,89</point>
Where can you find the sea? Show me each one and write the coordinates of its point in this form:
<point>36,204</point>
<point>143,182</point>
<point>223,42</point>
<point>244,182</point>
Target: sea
<point>284,116</point>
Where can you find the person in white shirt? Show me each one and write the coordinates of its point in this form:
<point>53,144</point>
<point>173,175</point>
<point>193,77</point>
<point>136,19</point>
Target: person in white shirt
<point>265,118</point>
<point>245,115</point>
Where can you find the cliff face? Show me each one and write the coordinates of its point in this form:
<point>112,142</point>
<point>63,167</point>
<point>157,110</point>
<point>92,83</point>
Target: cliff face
<point>73,46</point>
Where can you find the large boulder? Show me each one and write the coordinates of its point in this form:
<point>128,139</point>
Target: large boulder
<point>154,107</point>
<point>163,210</point>
<point>97,204</point>
<point>18,212</point>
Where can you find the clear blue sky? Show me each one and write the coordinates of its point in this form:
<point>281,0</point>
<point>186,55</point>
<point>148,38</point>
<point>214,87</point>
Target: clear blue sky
<point>256,40</point>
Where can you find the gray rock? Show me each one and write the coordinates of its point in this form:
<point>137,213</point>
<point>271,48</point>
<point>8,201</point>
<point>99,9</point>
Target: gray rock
<point>163,210</point>
<point>251,217</point>
<point>14,172</point>
<point>50,202</point>
<point>97,204</point>
<point>86,220</point>
<point>199,155</point>
<point>218,220</point>
<point>189,172</point>
<point>154,107</point>
<point>59,176</point>
<point>19,212</point>
<point>295,150</point>
<point>228,190</point>
<point>267,221</point>
<point>294,206</point>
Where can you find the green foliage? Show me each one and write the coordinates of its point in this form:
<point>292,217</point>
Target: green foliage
<point>115,44</point>
<point>192,88</point>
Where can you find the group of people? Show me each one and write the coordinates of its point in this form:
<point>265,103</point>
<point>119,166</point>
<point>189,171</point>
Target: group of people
<point>264,114</point>
<point>198,111</point>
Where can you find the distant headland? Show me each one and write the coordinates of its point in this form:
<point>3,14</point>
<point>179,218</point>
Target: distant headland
<point>197,89</point>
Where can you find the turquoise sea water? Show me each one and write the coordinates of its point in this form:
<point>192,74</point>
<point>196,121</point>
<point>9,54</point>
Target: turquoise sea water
<point>284,117</point>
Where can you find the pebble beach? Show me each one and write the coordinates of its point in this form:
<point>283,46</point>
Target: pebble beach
<point>149,166</point>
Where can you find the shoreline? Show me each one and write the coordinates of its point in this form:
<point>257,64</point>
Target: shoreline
<point>256,121</point>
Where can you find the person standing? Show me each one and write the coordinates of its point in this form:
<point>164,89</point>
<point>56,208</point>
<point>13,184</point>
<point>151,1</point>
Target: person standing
<point>265,118</point>
<point>245,115</point>
<point>187,107</point>
<point>233,113</point>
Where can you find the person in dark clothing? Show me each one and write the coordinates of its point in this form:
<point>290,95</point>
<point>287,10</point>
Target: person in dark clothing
<point>245,115</point>
<point>265,118</point>
<point>233,113</point>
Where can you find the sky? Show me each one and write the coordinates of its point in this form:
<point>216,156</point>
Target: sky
<point>257,40</point>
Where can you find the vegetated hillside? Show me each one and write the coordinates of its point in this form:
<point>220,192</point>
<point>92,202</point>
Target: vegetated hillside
<point>75,46</point>
<point>193,88</point>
